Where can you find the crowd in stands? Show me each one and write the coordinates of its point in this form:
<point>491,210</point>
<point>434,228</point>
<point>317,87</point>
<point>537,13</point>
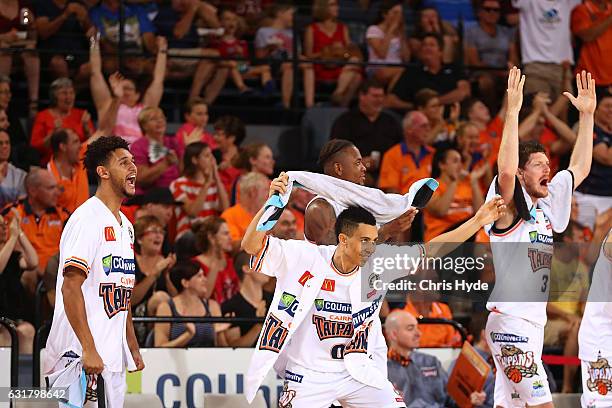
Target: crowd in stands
<point>431,105</point>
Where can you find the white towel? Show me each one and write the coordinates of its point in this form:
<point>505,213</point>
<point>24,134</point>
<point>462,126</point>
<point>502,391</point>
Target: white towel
<point>72,377</point>
<point>384,207</point>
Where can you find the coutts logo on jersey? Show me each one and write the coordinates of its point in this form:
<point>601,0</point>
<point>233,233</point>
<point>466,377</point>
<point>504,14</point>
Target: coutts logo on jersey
<point>115,298</point>
<point>117,264</point>
<point>539,259</point>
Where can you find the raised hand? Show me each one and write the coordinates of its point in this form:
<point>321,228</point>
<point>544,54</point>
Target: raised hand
<point>116,84</point>
<point>491,211</point>
<point>516,81</point>
<point>162,44</point>
<point>586,101</point>
<point>279,184</point>
<point>541,101</point>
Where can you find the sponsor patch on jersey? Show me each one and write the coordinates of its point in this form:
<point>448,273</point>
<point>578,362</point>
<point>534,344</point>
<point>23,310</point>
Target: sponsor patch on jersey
<point>517,364</point>
<point>362,315</point>
<point>109,234</point>
<point>117,264</point>
<point>536,237</point>
<point>429,371</point>
<point>289,376</point>
<point>600,376</point>
<point>328,328</point>
<point>115,298</point>
<point>288,304</point>
<point>508,338</point>
<point>323,305</point>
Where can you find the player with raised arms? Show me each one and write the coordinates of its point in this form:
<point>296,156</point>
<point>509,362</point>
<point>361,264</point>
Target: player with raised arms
<point>92,337</point>
<point>318,332</point>
<point>522,245</point>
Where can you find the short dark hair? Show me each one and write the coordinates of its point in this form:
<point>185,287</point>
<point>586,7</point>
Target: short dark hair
<point>331,149</point>
<point>185,269</point>
<point>241,259</point>
<point>194,102</point>
<point>526,149</point>
<point>192,150</point>
<point>58,137</point>
<point>366,85</point>
<point>210,225</point>
<point>423,96</point>
<point>384,8</point>
<point>98,153</point>
<point>349,219</point>
<point>435,36</point>
<point>231,126</point>
<point>439,157</point>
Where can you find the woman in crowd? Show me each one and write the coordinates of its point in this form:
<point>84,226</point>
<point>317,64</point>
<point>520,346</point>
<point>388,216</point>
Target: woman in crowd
<point>441,131</point>
<point>429,21</point>
<point>214,242</point>
<point>133,101</point>
<point>255,157</point>
<point>327,38</point>
<point>153,285</point>
<point>229,134</point>
<point>155,154</point>
<point>387,43</point>
<point>60,114</point>
<point>191,282</point>
<point>200,189</point>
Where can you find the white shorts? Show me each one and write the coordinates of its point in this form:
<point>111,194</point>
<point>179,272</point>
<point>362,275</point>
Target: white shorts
<point>516,347</point>
<point>304,388</point>
<point>596,383</point>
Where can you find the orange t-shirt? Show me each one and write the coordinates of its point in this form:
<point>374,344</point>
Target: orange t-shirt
<point>400,167</point>
<point>460,209</point>
<point>595,54</point>
<point>436,335</point>
<point>238,220</point>
<point>75,190</point>
<point>490,138</point>
<point>299,222</point>
<point>44,124</point>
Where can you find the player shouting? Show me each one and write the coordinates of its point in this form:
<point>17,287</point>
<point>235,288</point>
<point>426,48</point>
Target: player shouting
<point>92,327</point>
<point>318,332</point>
<point>521,242</point>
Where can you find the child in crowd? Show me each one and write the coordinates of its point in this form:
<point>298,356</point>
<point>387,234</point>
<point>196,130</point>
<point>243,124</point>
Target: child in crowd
<point>194,128</point>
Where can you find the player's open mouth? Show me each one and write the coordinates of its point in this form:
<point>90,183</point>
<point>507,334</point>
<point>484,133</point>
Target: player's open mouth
<point>131,180</point>
<point>544,182</point>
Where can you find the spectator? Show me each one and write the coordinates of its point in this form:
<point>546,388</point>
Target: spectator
<point>12,187</point>
<point>138,34</point>
<point>21,151</point>
<point>60,114</point>
<point>190,281</point>
<point>251,301</point>
<point>66,166</point>
<point>194,128</point>
<point>545,43</point>
<point>160,203</point>
<point>328,39</point>
<point>62,25</point>
<point>387,43</point>
<point>429,21</point>
<point>467,143</point>
<point>214,242</point>
<point>285,227</point>
<point>418,377</point>
<point>153,285</point>
<point>200,189</point>
<point>42,220</point>
<point>132,100</point>
<point>275,42</point>
<point>458,196</point>
<point>367,126</point>
<point>431,73</point>
<point>176,22</point>
<point>427,101</point>
<point>229,134</point>
<point>490,45</point>
<point>298,201</point>
<point>256,157</point>
<point>231,46</point>
<point>250,12</point>
<point>479,115</point>
<point>17,30</point>
<point>410,160</point>
<point>16,255</point>
<point>253,194</point>
<point>592,23</point>
<point>155,154</point>
<point>453,11</point>
<point>595,193</point>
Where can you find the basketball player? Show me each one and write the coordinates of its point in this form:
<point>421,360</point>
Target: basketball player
<point>521,243</point>
<point>317,331</point>
<point>92,328</point>
<point>595,335</point>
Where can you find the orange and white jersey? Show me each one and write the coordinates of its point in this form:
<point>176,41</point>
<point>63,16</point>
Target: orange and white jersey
<point>95,242</point>
<point>522,253</point>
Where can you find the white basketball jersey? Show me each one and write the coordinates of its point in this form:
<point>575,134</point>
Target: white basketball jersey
<point>96,243</point>
<point>522,253</point>
<point>595,335</point>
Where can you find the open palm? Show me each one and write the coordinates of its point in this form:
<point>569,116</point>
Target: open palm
<point>586,101</point>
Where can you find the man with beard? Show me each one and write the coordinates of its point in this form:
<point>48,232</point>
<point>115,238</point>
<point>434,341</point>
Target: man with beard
<point>92,332</point>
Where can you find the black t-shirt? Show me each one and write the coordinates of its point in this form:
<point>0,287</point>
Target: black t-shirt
<point>242,308</point>
<point>69,37</point>
<point>414,79</point>
<point>598,180</point>
<point>15,303</point>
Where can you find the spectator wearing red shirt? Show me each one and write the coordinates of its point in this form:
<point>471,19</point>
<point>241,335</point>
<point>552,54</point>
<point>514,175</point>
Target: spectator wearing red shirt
<point>194,128</point>
<point>200,189</point>
<point>60,114</point>
<point>214,241</point>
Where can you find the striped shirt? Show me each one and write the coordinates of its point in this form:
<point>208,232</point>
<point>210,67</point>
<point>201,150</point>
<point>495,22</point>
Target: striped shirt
<point>184,189</point>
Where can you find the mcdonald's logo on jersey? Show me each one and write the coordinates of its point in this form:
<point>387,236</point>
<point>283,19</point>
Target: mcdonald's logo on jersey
<point>109,234</point>
<point>328,285</point>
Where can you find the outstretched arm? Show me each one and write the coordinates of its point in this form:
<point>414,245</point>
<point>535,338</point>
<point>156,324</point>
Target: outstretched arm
<point>154,92</point>
<point>99,90</point>
<point>582,155</point>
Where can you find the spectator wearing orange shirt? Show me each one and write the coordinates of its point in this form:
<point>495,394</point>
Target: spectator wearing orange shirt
<point>67,168</point>
<point>61,114</point>
<point>592,23</point>
<point>458,196</point>
<point>410,160</point>
<point>253,194</point>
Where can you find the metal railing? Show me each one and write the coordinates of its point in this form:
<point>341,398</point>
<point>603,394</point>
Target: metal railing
<point>12,329</point>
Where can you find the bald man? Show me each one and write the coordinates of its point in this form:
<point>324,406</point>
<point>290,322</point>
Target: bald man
<point>285,227</point>
<point>418,377</point>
